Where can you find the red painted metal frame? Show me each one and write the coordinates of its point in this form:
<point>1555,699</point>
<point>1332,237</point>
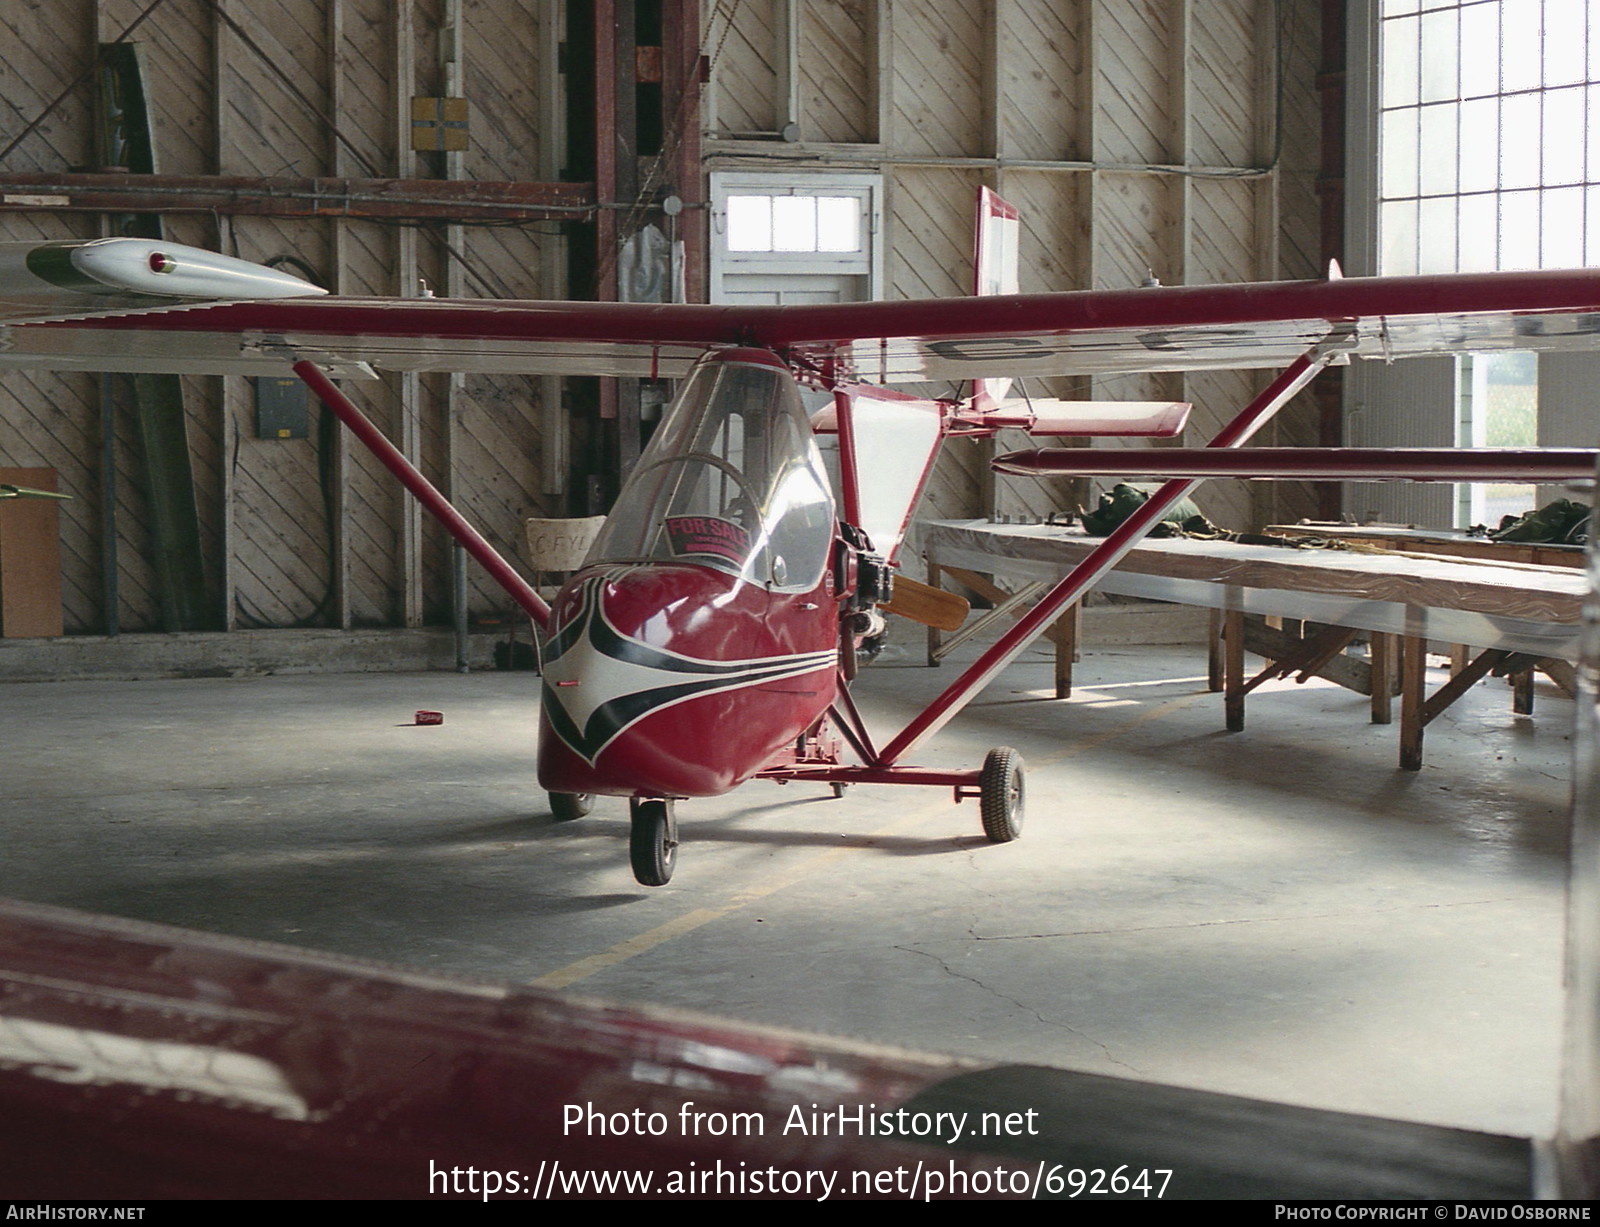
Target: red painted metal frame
<point>606,152</point>
<point>848,715</point>
<point>1311,463</point>
<point>425,492</point>
<point>843,773</point>
<point>1089,572</point>
<point>843,716</point>
<point>683,84</point>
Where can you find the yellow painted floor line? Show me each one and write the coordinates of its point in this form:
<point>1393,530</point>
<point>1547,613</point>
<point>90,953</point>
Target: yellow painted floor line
<point>572,973</point>
<point>1157,712</point>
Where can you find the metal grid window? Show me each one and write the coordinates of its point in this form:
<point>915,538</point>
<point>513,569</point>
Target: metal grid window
<point>1489,158</point>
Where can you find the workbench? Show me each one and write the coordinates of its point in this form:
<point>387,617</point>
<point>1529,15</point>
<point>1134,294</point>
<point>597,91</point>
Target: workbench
<point>1451,543</point>
<point>1519,617</point>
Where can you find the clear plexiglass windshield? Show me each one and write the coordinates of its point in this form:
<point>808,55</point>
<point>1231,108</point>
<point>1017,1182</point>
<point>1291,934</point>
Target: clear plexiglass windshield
<point>731,480</point>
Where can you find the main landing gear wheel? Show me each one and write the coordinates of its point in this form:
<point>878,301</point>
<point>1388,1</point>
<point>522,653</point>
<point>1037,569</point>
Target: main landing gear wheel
<point>1000,795</point>
<point>565,806</point>
<point>653,842</point>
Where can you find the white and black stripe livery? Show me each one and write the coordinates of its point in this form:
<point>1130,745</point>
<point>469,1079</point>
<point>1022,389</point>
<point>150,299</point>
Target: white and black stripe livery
<point>599,681</point>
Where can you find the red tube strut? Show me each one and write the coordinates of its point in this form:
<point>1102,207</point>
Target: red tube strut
<point>425,492</point>
<point>1100,560</point>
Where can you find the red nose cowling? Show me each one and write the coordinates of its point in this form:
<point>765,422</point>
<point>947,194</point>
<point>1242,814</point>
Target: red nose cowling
<point>669,680</point>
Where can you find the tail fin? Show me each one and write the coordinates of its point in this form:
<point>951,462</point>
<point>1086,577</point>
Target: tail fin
<point>998,231</point>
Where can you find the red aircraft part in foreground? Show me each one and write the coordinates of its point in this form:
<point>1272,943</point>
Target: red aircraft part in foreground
<point>712,634</point>
<point>141,1062</point>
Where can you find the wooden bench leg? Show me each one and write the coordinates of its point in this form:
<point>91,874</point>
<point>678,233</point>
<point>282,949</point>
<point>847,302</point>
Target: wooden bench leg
<point>1068,627</point>
<point>1562,674</point>
<point>1413,677</point>
<point>1381,658</point>
<point>1233,691</point>
<point>1417,710</point>
<point>1214,680</point>
<point>1522,693</point>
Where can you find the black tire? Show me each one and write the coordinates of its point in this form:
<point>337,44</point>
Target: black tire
<point>565,806</point>
<point>653,842</point>
<point>1000,795</point>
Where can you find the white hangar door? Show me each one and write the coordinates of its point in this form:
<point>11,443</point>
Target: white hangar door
<point>792,239</point>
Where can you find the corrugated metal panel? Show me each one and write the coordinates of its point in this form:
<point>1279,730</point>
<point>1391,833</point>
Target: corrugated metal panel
<point>1426,389</point>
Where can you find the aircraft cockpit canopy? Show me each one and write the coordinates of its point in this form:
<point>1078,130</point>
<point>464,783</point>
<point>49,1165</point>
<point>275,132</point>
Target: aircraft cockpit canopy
<point>732,480</point>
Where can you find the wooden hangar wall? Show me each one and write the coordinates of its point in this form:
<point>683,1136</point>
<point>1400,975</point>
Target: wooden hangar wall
<point>300,531</point>
<point>1177,138</point>
<point>1173,138</point>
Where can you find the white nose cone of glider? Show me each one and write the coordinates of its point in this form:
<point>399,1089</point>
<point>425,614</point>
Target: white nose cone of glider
<point>148,266</point>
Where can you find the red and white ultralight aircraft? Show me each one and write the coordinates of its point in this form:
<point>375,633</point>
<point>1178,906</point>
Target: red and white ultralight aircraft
<point>710,637</point>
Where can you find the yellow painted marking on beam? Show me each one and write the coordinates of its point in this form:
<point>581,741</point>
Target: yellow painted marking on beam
<point>632,947</point>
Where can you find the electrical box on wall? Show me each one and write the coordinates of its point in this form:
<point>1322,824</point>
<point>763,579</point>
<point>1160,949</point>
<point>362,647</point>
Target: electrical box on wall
<point>283,409</point>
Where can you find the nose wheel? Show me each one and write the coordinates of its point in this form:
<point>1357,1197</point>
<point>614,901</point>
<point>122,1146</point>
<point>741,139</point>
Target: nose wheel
<point>653,841</point>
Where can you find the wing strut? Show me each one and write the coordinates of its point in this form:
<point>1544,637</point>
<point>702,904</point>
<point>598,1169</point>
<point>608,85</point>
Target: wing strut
<point>1100,560</point>
<point>425,492</point>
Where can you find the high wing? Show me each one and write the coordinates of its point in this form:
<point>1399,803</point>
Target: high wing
<point>71,309</point>
<point>83,324</point>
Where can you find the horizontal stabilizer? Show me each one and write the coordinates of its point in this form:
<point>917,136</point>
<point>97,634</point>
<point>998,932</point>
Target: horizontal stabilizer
<point>1551,464</point>
<point>1157,419</point>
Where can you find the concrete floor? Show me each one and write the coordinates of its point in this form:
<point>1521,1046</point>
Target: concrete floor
<point>1278,913</point>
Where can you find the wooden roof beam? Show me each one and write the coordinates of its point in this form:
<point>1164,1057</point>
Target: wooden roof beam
<point>239,195</point>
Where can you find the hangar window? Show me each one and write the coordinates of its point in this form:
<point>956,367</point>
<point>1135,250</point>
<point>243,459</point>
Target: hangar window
<point>1490,156</point>
<point>1486,127</point>
<point>760,222</point>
